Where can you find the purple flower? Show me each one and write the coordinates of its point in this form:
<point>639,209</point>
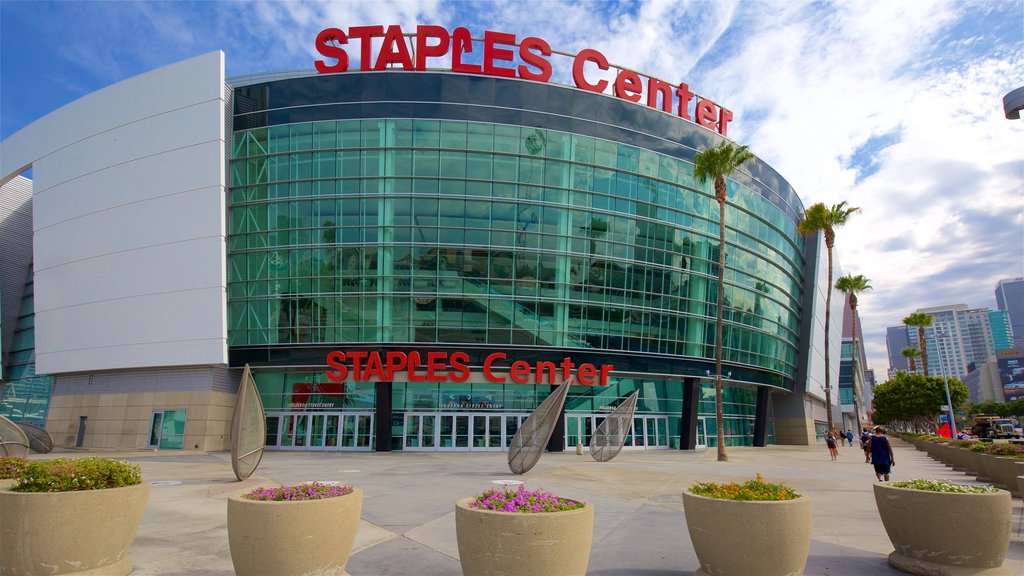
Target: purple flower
<point>523,501</point>
<point>299,493</point>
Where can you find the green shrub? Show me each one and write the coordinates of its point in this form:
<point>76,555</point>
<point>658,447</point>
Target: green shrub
<point>11,467</point>
<point>1002,449</point>
<point>66,475</point>
<point>964,443</point>
<point>981,447</point>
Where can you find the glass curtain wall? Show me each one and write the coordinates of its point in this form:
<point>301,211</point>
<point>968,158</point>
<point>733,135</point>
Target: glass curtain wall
<point>434,231</point>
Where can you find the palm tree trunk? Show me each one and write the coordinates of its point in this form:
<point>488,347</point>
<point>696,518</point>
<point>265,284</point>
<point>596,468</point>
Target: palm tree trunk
<point>722,456</point>
<point>828,322</point>
<point>924,349</point>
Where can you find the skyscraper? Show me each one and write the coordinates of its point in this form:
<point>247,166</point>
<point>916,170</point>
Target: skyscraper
<point>1010,297</point>
<point>896,340</point>
<point>960,335</point>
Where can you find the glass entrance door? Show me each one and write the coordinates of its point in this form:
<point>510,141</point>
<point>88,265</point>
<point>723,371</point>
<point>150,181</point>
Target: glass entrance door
<point>646,431</point>
<point>702,433</point>
<point>167,429</point>
<point>319,431</point>
<point>459,431</point>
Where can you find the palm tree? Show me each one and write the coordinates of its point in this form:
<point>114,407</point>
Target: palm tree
<point>921,321</point>
<point>851,286</point>
<point>911,354</point>
<point>821,218</point>
<point>715,164</point>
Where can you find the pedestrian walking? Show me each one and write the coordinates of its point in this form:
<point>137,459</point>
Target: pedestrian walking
<point>849,437</point>
<point>830,441</point>
<point>842,439</point>
<point>865,436</point>
<point>881,454</point>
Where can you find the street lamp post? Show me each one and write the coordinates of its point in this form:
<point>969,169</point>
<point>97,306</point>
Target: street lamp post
<point>939,336</point>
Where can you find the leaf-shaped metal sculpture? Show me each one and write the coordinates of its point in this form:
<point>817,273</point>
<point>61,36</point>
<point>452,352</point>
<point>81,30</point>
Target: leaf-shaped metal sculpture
<point>39,440</point>
<point>607,441</point>
<point>13,442</point>
<point>248,428</point>
<point>531,438</point>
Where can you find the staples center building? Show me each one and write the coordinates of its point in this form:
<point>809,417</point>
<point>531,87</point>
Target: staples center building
<point>408,258</point>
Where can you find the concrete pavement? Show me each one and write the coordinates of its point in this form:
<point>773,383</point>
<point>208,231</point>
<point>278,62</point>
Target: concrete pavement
<point>408,519</point>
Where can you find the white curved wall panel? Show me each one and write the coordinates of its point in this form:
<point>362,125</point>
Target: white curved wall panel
<point>129,222</point>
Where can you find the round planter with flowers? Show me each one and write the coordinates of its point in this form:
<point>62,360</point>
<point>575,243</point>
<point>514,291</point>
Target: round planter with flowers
<point>750,528</point>
<point>71,516</point>
<point>505,531</point>
<point>938,527</point>
<point>293,530</point>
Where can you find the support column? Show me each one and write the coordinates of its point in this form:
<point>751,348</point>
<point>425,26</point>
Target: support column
<point>557,441</point>
<point>764,396</point>
<point>382,417</point>
<point>688,422</point>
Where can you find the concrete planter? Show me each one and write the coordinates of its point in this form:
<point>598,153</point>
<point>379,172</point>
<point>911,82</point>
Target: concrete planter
<point>293,538</point>
<point>7,483</point>
<point>1004,471</point>
<point>963,461</point>
<point>733,538</point>
<point>83,532</point>
<point>940,533</point>
<point>539,544</point>
<point>981,466</point>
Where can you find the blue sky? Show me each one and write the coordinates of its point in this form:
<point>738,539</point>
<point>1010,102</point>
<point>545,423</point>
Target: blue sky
<point>893,106</point>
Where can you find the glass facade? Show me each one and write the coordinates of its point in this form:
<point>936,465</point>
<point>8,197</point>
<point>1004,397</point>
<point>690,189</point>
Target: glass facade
<point>25,396</point>
<point>460,227</point>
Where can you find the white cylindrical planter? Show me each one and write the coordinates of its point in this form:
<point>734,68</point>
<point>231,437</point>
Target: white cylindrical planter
<point>308,537</point>
<point>739,538</point>
<point>537,543</point>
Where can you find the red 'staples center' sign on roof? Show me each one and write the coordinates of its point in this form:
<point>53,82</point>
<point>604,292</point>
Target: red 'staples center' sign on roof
<point>500,54</point>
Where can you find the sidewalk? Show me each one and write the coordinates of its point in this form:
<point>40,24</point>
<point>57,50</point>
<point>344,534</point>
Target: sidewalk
<point>408,519</point>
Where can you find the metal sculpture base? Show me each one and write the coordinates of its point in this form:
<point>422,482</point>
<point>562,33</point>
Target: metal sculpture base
<point>610,436</point>
<point>529,441</point>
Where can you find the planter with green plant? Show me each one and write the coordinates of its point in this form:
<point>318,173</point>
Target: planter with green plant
<point>293,530</point>
<point>979,454</point>
<point>751,528</point>
<point>10,471</point>
<point>963,460</point>
<point>71,515</point>
<point>938,527</point>
<point>506,531</point>
<point>1005,464</point>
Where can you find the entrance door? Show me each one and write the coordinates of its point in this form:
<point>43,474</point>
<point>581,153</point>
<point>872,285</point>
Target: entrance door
<point>646,431</point>
<point>320,431</point>
<point>702,433</point>
<point>487,429</point>
<point>461,431</point>
<point>356,431</point>
<point>167,429</point>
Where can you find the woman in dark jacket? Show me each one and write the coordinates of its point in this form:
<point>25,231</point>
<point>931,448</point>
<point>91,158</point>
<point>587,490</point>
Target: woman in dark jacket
<point>881,454</point>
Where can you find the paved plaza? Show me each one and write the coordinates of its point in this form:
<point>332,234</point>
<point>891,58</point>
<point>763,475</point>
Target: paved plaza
<point>408,519</point>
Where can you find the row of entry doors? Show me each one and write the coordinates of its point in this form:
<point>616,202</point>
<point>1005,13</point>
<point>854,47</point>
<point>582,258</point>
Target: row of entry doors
<point>446,431</point>
<point>305,431</point>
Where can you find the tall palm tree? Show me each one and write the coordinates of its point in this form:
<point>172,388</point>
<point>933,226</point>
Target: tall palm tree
<point>911,354</point>
<point>715,164</point>
<point>851,286</point>
<point>821,218</point>
<point>921,321</point>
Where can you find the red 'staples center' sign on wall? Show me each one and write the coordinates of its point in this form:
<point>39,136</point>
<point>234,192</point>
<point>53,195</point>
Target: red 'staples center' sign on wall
<point>364,366</point>
<point>498,59</point>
